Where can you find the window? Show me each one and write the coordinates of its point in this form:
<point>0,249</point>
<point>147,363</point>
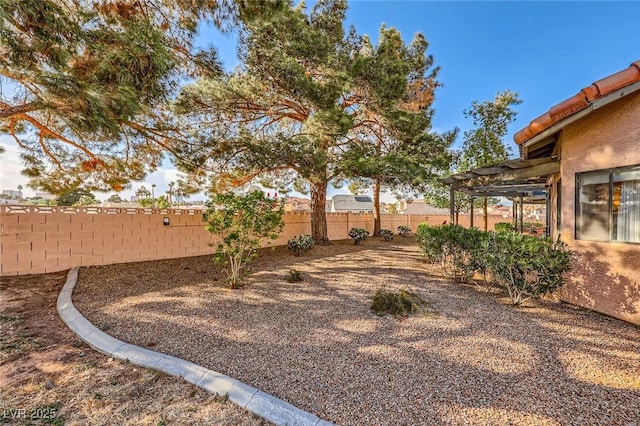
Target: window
<point>559,206</point>
<point>608,205</point>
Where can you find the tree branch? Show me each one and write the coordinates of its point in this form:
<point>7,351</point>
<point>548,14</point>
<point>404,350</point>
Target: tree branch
<point>9,110</point>
<point>47,131</point>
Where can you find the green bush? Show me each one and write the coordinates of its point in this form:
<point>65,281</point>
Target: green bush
<point>358,234</point>
<point>528,225</point>
<point>398,303</point>
<point>430,242</point>
<point>504,227</point>
<point>300,244</point>
<point>404,231</point>
<point>242,221</point>
<point>525,266</point>
<point>528,266</point>
<point>450,245</point>
<point>386,235</point>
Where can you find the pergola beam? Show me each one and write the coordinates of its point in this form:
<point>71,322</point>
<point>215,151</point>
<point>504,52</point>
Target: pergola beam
<point>518,180</point>
<point>539,171</point>
<point>452,204</point>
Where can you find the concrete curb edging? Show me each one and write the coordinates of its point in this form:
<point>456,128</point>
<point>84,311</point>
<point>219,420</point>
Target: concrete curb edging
<point>264,405</point>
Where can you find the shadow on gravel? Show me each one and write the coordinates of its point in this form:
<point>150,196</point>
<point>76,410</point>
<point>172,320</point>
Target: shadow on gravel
<point>476,360</point>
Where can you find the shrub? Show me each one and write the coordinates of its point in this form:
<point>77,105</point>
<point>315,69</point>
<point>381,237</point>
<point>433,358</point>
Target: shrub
<point>300,244</point>
<point>429,242</point>
<point>398,303</point>
<point>528,266</point>
<point>386,234</point>
<point>358,234</point>
<point>503,227</point>
<point>532,225</point>
<point>404,231</point>
<point>451,246</point>
<point>242,221</point>
<point>293,276</point>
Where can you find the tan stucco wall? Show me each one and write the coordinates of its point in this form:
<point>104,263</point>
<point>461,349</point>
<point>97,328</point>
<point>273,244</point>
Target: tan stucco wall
<point>606,276</point>
<point>36,240</point>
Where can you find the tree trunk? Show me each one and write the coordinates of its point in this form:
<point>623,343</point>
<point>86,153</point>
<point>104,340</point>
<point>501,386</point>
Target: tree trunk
<point>457,217</point>
<point>485,218</point>
<point>376,207</point>
<point>318,216</point>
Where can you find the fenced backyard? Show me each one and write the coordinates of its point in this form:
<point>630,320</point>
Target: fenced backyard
<point>36,240</point>
<point>470,358</point>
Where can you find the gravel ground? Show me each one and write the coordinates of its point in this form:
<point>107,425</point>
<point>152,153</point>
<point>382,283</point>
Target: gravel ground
<point>474,360</point>
<point>49,376</point>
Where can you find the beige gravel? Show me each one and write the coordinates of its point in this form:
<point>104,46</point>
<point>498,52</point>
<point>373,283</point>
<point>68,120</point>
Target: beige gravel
<point>49,376</point>
<point>315,344</point>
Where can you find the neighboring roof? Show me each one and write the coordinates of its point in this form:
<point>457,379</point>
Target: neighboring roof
<point>297,204</point>
<point>579,102</point>
<point>419,207</point>
<point>353,203</point>
<point>298,200</point>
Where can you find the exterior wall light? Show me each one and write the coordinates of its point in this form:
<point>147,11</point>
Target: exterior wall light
<point>166,221</point>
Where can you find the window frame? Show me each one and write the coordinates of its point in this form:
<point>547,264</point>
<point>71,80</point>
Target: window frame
<point>610,218</point>
<point>559,206</point>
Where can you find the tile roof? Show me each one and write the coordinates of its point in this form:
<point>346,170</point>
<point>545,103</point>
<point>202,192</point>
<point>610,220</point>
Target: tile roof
<point>422,208</point>
<point>579,101</point>
<point>352,203</point>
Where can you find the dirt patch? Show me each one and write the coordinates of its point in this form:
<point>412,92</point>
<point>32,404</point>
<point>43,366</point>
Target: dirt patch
<point>49,376</point>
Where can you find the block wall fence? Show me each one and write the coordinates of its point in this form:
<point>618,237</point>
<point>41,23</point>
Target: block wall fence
<point>38,240</point>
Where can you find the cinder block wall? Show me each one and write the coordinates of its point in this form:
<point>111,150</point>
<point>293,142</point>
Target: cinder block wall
<point>39,240</point>
<point>36,240</point>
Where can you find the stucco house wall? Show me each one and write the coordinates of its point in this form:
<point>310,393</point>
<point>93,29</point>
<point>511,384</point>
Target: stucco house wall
<point>606,275</point>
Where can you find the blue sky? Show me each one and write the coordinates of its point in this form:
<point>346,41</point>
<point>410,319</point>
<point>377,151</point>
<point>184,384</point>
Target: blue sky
<point>546,51</point>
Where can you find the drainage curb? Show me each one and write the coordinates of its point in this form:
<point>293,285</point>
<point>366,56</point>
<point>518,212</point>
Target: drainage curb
<point>264,405</point>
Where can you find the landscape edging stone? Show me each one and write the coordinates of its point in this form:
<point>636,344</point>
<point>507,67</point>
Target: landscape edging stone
<point>264,405</point>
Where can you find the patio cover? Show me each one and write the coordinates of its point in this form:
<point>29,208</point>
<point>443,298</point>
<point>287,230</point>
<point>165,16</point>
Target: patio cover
<point>513,178</point>
<point>522,180</point>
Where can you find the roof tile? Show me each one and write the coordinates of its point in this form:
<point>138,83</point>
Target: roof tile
<point>541,123</point>
<point>580,101</point>
<point>569,106</point>
<point>618,80</point>
<point>591,93</point>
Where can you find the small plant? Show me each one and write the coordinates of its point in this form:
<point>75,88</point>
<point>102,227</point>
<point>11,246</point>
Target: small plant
<point>8,319</point>
<point>503,227</point>
<point>404,231</point>
<point>386,235</point>
<point>242,221</point>
<point>300,244</point>
<point>398,303</point>
<point>358,234</point>
<point>293,276</point>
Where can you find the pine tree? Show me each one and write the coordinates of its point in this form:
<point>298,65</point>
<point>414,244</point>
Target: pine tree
<point>84,82</point>
<point>393,146</point>
<point>304,94</point>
